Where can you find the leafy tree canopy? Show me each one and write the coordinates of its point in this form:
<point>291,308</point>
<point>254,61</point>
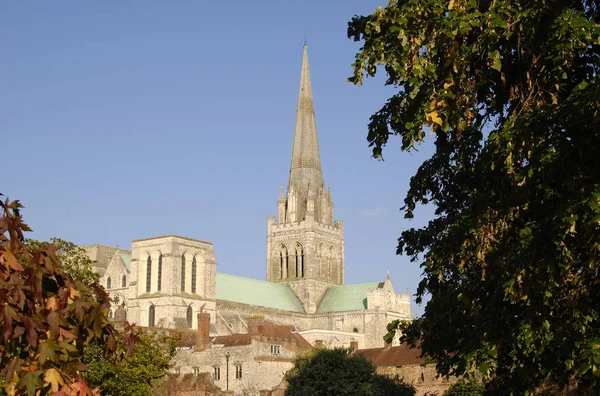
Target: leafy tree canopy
<point>510,90</point>
<point>73,259</point>
<point>331,372</point>
<point>45,318</point>
<point>135,374</point>
<point>465,388</point>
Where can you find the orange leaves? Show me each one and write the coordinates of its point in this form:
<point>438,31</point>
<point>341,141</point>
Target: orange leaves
<point>52,303</point>
<point>53,378</point>
<point>44,317</point>
<point>9,259</point>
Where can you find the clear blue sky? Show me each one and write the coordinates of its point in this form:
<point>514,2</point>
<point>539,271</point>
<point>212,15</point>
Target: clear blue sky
<point>126,120</point>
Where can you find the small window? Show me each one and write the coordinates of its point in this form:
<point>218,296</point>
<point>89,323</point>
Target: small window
<point>275,350</point>
<point>194,274</point>
<point>108,283</point>
<point>151,314</point>
<point>148,273</point>
<point>183,272</point>
<point>124,281</point>
<point>238,371</point>
<point>188,316</point>
<point>196,371</point>
<point>217,374</point>
<point>355,330</point>
<point>110,314</point>
<point>159,280</point>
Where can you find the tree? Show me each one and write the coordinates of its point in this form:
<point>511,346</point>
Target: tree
<point>510,90</point>
<point>73,259</point>
<point>331,372</point>
<point>137,374</point>
<point>45,319</point>
<point>465,388</point>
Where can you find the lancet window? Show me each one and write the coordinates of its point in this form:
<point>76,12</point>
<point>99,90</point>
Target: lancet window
<point>148,273</point>
<point>183,272</point>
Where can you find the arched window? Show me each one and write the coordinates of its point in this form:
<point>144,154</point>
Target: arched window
<point>194,275</point>
<point>183,272</point>
<point>108,283</point>
<point>355,330</point>
<point>299,257</point>
<point>110,314</point>
<point>280,264</point>
<point>188,316</point>
<point>151,316</point>
<point>159,280</point>
<point>124,281</point>
<point>148,273</point>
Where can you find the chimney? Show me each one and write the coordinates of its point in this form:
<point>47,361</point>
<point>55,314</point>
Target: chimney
<point>203,331</point>
<point>256,324</point>
<point>354,345</point>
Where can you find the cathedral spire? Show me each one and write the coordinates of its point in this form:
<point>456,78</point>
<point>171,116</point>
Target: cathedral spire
<point>305,169</point>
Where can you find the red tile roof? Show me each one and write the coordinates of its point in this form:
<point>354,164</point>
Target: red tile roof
<point>401,355</point>
<point>271,332</point>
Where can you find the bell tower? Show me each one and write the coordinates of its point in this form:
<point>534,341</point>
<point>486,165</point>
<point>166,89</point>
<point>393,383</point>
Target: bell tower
<point>305,246</point>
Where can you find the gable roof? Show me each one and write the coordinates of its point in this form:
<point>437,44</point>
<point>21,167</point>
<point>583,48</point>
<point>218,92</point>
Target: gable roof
<point>346,298</point>
<point>126,260</point>
<point>256,292</point>
<point>401,355</point>
<point>269,331</point>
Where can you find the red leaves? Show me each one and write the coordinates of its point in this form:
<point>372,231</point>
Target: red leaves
<point>44,319</point>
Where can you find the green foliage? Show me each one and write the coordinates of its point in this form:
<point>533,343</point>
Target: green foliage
<point>465,388</point>
<point>511,92</point>
<point>331,372</point>
<point>45,319</point>
<point>136,373</point>
<point>73,259</point>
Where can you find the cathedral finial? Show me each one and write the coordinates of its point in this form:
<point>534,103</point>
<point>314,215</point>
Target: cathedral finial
<point>305,41</point>
<point>388,275</point>
<point>281,198</point>
<point>305,167</point>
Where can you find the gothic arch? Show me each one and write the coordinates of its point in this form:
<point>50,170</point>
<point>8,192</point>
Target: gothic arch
<point>159,270</point>
<point>182,270</point>
<point>280,269</point>
<point>189,315</point>
<point>333,264</point>
<point>321,260</point>
<point>194,274</point>
<point>298,261</point>
<point>148,260</point>
<point>151,315</point>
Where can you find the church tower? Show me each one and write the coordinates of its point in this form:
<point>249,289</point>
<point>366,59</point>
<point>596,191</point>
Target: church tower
<point>305,247</point>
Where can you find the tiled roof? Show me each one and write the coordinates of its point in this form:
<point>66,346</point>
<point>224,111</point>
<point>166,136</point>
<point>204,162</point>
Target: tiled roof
<point>346,298</point>
<point>270,331</point>
<point>233,340</point>
<point>126,260</point>
<point>256,292</point>
<point>401,355</point>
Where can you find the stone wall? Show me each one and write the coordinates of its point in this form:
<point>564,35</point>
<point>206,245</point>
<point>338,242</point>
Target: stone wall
<point>423,377</point>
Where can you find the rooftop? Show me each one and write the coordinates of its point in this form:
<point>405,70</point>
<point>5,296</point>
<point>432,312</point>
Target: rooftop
<point>346,298</point>
<point>401,355</point>
<point>256,292</point>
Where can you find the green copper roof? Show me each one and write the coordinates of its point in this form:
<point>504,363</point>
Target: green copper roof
<point>256,292</point>
<point>127,260</point>
<point>346,298</point>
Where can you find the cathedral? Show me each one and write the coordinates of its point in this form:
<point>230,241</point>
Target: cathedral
<point>167,281</point>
